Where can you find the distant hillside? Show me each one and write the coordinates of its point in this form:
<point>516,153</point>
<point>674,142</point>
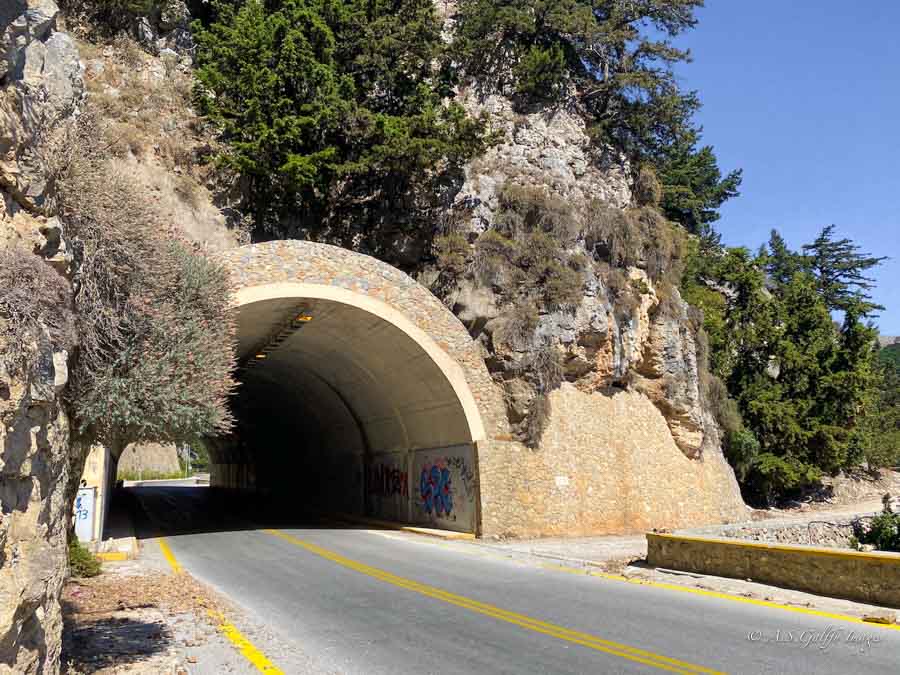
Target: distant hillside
<point>887,340</point>
<point>891,353</point>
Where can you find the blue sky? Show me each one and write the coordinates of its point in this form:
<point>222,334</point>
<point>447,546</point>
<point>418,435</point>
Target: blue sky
<point>805,97</point>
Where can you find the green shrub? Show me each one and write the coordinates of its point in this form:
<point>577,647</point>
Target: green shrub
<point>82,563</point>
<point>772,476</point>
<point>149,475</point>
<point>883,532</point>
<point>541,73</point>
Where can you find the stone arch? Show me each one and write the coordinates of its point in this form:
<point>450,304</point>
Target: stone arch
<point>350,365</point>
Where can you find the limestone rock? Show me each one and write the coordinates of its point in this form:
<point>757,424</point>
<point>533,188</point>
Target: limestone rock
<point>43,80</point>
<point>546,148</point>
<point>34,466</point>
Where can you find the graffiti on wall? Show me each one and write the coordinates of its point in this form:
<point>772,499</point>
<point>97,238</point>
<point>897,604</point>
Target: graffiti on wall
<point>435,488</point>
<point>445,487</point>
<point>383,480</point>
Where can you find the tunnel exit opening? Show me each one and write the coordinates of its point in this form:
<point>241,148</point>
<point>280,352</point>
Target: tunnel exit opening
<point>345,405</point>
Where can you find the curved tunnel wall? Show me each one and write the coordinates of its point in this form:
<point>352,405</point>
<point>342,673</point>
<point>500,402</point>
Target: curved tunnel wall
<point>376,401</point>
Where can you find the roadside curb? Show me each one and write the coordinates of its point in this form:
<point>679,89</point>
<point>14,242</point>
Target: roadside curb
<point>415,529</point>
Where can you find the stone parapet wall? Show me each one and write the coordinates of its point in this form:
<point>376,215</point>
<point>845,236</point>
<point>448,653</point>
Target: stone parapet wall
<point>866,577</point>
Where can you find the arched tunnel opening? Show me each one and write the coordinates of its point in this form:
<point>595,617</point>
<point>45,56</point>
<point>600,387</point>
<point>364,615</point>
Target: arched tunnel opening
<point>345,407</point>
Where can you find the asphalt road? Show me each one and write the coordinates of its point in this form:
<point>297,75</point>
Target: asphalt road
<point>364,601</point>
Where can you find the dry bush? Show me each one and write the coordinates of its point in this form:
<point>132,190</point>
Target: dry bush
<point>647,189</point>
<point>124,139</point>
<point>545,367</point>
<point>33,298</point>
<point>526,209</point>
<point>527,254</point>
<point>452,252</point>
<point>521,322</point>
<point>639,237</point>
<point>494,254</point>
<point>156,358</point>
<point>187,189</point>
<point>563,286</point>
<point>129,51</point>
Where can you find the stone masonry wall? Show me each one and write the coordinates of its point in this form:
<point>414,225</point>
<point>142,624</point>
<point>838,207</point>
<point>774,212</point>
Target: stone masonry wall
<point>607,464</point>
<point>149,458</point>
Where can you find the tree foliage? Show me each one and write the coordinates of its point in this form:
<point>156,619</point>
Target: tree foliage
<point>331,102</point>
<point>840,271</point>
<point>616,59</point>
<point>882,426</point>
<point>693,186</point>
<point>804,386</point>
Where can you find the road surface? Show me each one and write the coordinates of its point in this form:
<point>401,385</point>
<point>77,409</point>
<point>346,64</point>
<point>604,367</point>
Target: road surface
<point>363,601</point>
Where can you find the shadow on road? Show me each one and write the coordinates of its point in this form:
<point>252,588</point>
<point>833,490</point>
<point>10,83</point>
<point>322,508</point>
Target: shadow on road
<point>166,510</point>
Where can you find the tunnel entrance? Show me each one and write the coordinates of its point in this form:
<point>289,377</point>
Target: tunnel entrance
<point>347,406</point>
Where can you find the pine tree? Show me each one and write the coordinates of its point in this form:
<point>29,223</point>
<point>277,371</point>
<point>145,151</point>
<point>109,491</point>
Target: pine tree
<point>839,269</point>
<point>693,186</point>
<point>330,104</point>
<point>781,263</point>
<point>618,57</point>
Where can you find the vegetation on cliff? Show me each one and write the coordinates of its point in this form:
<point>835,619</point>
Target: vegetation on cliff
<point>154,354</point>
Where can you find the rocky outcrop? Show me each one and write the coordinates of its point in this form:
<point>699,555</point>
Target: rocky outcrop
<point>34,504</point>
<point>166,29</point>
<point>611,338</point>
<point>549,148</point>
<point>40,83</point>
<point>41,79</point>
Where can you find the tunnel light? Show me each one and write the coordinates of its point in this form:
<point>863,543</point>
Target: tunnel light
<point>261,356</point>
<point>304,317</point>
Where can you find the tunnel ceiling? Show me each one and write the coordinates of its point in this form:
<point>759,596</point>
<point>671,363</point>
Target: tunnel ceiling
<point>347,366</point>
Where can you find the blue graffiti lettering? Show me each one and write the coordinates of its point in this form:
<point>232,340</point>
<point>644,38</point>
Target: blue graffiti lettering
<point>434,489</point>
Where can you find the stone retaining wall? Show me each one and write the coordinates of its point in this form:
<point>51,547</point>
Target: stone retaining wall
<point>866,577</point>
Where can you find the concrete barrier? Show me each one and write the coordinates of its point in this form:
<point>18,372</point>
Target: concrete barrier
<point>865,577</point>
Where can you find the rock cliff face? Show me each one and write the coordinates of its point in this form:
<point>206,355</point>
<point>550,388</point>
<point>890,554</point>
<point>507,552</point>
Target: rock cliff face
<point>610,338</point>
<point>34,498</point>
<point>40,82</point>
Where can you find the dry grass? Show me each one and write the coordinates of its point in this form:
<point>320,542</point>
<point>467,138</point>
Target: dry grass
<point>143,108</point>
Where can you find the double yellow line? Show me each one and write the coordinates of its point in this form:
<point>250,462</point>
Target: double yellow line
<point>575,637</point>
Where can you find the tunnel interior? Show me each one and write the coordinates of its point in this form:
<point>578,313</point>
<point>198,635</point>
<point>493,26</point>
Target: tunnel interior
<point>339,409</point>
